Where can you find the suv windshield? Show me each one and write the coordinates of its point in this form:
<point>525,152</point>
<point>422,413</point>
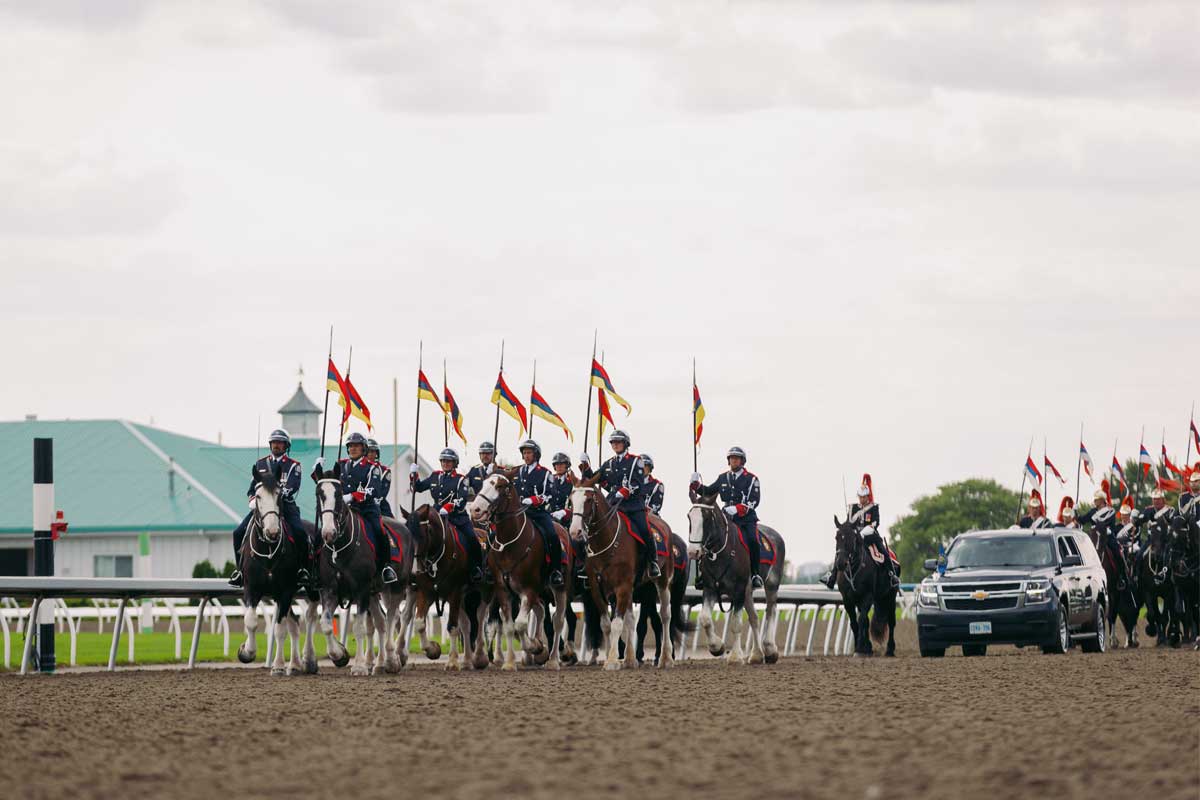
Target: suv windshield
<point>1001,551</point>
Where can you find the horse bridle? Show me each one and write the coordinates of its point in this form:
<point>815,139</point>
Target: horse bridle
<point>337,520</point>
<point>258,529</point>
<point>494,514</point>
<point>712,554</point>
<point>592,521</point>
<point>853,557</point>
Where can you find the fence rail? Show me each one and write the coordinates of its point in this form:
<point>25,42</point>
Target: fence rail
<point>800,604</point>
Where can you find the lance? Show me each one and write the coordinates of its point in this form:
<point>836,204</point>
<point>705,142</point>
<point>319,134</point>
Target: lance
<point>412,503</point>
<point>445,417</point>
<point>1045,478</point>
<point>496,432</point>
<point>396,439</point>
<point>1024,475</point>
<point>532,389</point>
<point>346,412</point>
<point>695,457</point>
<point>1191,421</point>
<point>587,420</point>
<point>1078,463</point>
<point>1121,478</point>
<point>1137,473</point>
<point>325,413</point>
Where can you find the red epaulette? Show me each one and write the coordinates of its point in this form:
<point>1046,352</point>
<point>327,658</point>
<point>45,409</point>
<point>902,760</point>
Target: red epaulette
<point>748,472</point>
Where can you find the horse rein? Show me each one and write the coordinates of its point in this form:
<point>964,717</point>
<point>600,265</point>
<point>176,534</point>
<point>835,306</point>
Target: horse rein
<point>353,534</point>
<point>712,554</point>
<point>495,514</point>
<point>591,523</point>
<point>257,522</point>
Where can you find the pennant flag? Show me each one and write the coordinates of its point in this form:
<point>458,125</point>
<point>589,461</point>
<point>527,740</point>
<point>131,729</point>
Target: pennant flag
<point>1087,461</point>
<point>1051,468</point>
<point>425,390</point>
<point>601,380</point>
<point>1145,460</point>
<point>1032,471</point>
<point>540,408</point>
<point>334,382</point>
<point>1167,462</point>
<point>697,412</point>
<point>1117,473</point>
<point>503,396</point>
<point>1168,485</point>
<point>452,411</point>
<point>603,413</point>
<point>353,406</point>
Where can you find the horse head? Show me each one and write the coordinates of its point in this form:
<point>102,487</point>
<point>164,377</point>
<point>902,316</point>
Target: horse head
<point>266,504</point>
<point>707,524</point>
<point>330,507</point>
<point>848,541</point>
<point>496,497</point>
<point>584,503</point>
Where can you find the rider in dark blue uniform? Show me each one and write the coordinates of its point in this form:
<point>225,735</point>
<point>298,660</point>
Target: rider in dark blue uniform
<point>1103,519</point>
<point>1189,500</point>
<point>286,471</point>
<point>623,477</point>
<point>865,516</point>
<point>655,491</point>
<point>477,474</point>
<point>741,492</point>
<point>558,493</point>
<point>361,480</point>
<point>1035,513</point>
<point>450,492</point>
<point>385,479</point>
<point>532,485</point>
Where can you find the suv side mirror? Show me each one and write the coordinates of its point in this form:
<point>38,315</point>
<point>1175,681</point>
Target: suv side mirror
<point>930,564</point>
<point>1072,561</point>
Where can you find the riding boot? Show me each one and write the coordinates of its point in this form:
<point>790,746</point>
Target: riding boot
<point>236,579</point>
<point>829,579</point>
<point>554,553</point>
<point>651,556</point>
<point>303,577</point>
<point>751,537</point>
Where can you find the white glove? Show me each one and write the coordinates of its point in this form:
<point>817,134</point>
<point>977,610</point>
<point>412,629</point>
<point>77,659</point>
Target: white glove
<point>443,512</point>
<point>730,510</point>
<point>527,502</point>
<point>413,470</point>
<point>696,477</point>
<point>253,500</point>
<point>559,514</point>
<point>346,498</point>
<point>319,463</point>
<point>585,459</point>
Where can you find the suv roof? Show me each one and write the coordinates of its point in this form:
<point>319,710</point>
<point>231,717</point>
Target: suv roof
<point>1040,532</point>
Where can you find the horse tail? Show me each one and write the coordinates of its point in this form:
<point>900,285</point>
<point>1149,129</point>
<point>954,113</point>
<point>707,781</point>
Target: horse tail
<point>680,622</point>
<point>591,623</point>
<point>879,620</point>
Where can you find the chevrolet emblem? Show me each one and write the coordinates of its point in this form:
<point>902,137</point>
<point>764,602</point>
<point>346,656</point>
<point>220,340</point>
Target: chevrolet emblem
<point>979,594</point>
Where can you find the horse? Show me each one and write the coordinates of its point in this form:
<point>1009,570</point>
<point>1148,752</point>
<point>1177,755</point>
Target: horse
<point>517,560</point>
<point>724,566</point>
<point>1156,584</point>
<point>1127,605</point>
<point>648,613</point>
<point>612,557</point>
<point>1185,573</point>
<point>269,562</point>
<point>346,570</point>
<point>863,584</point>
<point>444,577</point>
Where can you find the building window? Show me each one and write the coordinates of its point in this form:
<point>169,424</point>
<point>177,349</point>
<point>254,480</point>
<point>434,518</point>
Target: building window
<point>113,566</point>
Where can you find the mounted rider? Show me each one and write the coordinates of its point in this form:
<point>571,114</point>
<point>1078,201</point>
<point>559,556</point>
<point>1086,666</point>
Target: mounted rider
<point>286,471</point>
<point>1127,530</point>
<point>385,479</point>
<point>479,473</point>
<point>655,490</point>
<point>864,516</point>
<point>1066,513</point>
<point>1103,519</point>
<point>1158,514</point>
<point>360,478</point>
<point>1035,512</point>
<point>450,492</point>
<point>623,477</point>
<point>532,484</point>
<point>741,492</point>
<point>1189,499</point>
<point>558,495</point>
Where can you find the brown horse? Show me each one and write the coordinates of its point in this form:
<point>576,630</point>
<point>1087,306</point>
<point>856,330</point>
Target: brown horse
<point>612,556</point>
<point>517,560</point>
<point>444,578</point>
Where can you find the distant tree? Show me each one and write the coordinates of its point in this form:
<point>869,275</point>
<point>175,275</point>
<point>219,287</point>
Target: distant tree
<point>228,569</point>
<point>205,569</point>
<point>973,504</point>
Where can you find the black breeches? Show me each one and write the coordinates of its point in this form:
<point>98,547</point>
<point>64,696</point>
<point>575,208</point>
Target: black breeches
<point>641,527</point>
<point>239,536</point>
<point>750,537</point>
<point>383,551</point>
<point>545,525</point>
<point>470,541</point>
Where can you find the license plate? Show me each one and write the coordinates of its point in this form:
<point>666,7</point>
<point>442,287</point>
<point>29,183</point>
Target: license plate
<point>976,628</point>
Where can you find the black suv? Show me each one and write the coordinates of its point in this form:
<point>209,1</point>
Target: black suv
<point>1044,588</point>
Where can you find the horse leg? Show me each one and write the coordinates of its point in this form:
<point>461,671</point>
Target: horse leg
<point>507,632</point>
<point>715,647</point>
<point>282,609</point>
<point>362,641</point>
<point>662,631</point>
<point>734,637</point>
<point>480,659</point>
<point>891,642</point>
<point>624,612</point>
<point>310,632</point>
<point>572,624</point>
<point>537,630</point>
<point>771,624</point>
<point>403,632</point>
<point>249,648</point>
<point>616,624</point>
<point>560,622</point>
<point>756,631</point>
<point>864,628</point>
<point>391,663</point>
<point>380,623</point>
<point>454,630</point>
<point>333,647</point>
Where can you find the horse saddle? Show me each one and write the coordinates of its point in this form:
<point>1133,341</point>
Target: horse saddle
<point>660,544</point>
<point>766,550</point>
<point>395,543</point>
<point>879,557</point>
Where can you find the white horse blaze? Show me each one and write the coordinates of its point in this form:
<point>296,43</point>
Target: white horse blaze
<point>268,512</point>
<point>696,525</point>
<point>488,496</point>
<point>578,505</point>
<point>328,502</point>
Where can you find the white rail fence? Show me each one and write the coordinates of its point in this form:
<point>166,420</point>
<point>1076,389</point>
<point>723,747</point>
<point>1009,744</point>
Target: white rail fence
<point>803,611</point>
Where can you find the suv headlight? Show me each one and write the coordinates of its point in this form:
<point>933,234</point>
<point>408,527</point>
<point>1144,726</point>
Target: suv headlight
<point>1037,592</point>
<point>927,594</point>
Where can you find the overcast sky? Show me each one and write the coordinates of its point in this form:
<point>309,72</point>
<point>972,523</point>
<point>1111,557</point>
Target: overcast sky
<point>898,238</point>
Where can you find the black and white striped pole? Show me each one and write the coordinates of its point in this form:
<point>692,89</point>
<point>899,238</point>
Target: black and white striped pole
<point>43,544</point>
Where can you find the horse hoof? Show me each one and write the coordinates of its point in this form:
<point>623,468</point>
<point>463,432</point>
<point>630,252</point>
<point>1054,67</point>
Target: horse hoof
<point>755,659</point>
<point>310,667</point>
<point>612,666</point>
<point>890,654</point>
<point>434,651</point>
<point>542,657</point>
<point>716,651</point>
<point>359,671</point>
<point>244,657</point>
<point>453,666</point>
<point>278,671</point>
<point>481,662</point>
<point>508,666</point>
<point>772,657</point>
<point>554,666</point>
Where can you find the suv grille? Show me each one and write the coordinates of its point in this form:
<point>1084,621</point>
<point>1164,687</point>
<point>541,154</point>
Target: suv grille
<point>990,588</point>
<point>988,604</point>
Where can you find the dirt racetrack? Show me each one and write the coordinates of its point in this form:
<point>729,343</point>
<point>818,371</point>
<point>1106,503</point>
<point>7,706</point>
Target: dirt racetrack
<point>1014,724</point>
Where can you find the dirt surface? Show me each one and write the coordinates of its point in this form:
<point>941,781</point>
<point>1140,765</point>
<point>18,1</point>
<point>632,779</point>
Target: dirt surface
<point>1014,724</point>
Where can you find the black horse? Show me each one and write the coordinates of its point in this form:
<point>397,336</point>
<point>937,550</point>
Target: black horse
<point>1157,586</point>
<point>864,584</point>
<point>648,614</point>
<point>270,561</point>
<point>1185,573</point>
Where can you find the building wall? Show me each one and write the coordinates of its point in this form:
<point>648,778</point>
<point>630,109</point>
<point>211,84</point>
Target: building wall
<point>172,555</point>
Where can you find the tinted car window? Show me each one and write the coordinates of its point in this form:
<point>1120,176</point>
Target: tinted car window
<point>1000,551</point>
<point>1087,550</point>
<point>1063,552</point>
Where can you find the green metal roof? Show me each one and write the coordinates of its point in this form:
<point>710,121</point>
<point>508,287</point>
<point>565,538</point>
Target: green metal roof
<point>300,404</point>
<point>112,475</point>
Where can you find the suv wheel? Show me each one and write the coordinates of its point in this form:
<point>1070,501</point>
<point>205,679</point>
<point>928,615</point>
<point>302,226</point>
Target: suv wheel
<point>932,652</point>
<point>1100,643</point>
<point>974,649</point>
<point>1062,637</point>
